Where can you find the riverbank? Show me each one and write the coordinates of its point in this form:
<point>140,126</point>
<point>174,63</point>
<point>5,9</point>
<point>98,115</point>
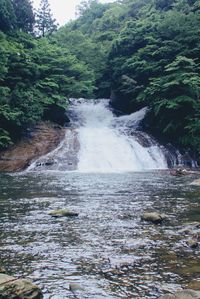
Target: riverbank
<point>43,139</point>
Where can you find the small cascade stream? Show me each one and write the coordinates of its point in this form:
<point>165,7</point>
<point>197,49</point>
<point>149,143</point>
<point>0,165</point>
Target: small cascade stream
<point>99,141</point>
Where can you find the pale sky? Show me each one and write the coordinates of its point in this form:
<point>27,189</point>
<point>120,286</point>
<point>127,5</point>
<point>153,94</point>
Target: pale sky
<point>64,10</point>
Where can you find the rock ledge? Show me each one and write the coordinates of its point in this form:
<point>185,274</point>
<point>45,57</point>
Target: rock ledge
<point>44,138</point>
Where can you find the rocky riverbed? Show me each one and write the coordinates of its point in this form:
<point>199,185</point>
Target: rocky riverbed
<point>106,249</point>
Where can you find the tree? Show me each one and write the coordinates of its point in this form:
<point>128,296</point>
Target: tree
<point>7,15</point>
<point>24,15</point>
<point>45,23</point>
<point>88,12</point>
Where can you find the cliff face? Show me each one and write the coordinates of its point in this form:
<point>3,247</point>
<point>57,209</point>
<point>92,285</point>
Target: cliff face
<point>44,138</point>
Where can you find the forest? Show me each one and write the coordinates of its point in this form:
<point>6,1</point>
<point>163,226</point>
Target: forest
<point>138,52</point>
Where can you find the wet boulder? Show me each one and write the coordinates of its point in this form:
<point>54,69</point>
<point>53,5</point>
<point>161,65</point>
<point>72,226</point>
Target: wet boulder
<point>184,294</point>
<point>63,213</point>
<point>179,172</point>
<point>196,182</point>
<point>74,287</point>
<point>153,217</point>
<point>2,270</point>
<point>12,288</point>
<point>192,243</point>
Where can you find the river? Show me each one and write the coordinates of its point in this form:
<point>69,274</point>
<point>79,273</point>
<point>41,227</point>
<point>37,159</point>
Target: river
<point>107,249</point>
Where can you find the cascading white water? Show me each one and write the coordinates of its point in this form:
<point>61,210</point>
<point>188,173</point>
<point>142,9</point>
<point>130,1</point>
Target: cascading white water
<point>98,141</point>
<point>104,144</point>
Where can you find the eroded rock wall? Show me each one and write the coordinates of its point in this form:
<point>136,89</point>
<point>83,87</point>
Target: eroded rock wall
<point>44,138</point>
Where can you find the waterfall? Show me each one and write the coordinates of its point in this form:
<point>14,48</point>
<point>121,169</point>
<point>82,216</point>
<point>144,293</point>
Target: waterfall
<point>99,141</point>
<point>107,146</point>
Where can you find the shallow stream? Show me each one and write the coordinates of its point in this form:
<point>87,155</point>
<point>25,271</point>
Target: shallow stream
<point>107,249</point>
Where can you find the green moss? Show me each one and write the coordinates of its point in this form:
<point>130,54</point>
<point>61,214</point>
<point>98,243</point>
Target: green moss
<point>62,213</point>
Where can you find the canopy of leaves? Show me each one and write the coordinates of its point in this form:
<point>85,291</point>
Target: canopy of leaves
<point>34,75</point>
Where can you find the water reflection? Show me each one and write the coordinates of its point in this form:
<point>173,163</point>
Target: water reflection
<point>107,249</point>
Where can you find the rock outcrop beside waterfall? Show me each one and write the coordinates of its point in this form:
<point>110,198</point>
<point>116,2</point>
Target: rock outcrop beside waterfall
<point>63,158</point>
<point>44,138</point>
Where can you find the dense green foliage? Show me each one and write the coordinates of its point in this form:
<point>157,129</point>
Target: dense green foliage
<point>35,75</point>
<point>155,61</point>
<point>146,53</point>
<point>140,52</point>
<point>24,15</point>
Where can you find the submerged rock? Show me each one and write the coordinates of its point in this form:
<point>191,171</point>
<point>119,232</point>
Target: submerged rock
<point>13,288</point>
<point>184,294</point>
<point>63,213</point>
<point>153,217</point>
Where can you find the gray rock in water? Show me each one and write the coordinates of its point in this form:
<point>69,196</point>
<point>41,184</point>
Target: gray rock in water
<point>12,288</point>
<point>153,217</point>
<point>73,287</point>
<point>184,294</point>
<point>62,213</point>
<point>195,183</point>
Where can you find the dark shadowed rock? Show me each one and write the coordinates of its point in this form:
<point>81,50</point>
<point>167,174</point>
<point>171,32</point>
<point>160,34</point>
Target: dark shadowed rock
<point>13,288</point>
<point>2,270</point>
<point>153,217</point>
<point>56,114</point>
<point>192,243</point>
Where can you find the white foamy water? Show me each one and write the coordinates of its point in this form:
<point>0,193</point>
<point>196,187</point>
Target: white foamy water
<point>98,141</point>
<point>104,145</point>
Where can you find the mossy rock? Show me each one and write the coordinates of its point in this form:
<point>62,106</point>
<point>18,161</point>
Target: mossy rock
<point>189,271</point>
<point>194,285</point>
<point>63,213</point>
<point>12,288</point>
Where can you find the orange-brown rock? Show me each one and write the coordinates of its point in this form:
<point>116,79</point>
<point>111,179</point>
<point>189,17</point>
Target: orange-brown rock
<point>45,137</point>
